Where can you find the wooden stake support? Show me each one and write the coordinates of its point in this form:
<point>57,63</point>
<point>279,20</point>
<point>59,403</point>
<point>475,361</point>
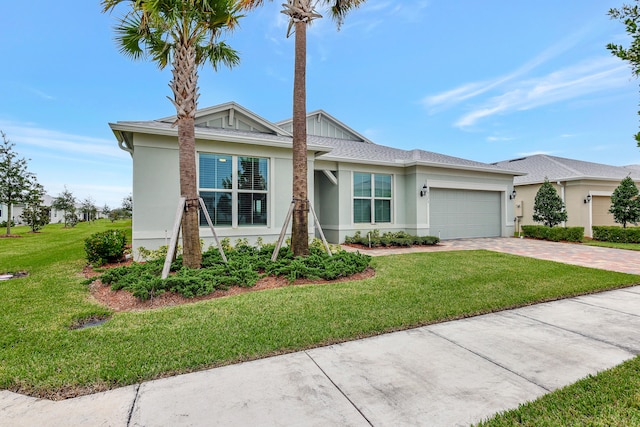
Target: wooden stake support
<point>175,234</point>
<point>287,219</point>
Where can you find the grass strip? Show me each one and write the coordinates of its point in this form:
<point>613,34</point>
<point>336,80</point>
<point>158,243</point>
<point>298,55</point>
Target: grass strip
<point>610,398</point>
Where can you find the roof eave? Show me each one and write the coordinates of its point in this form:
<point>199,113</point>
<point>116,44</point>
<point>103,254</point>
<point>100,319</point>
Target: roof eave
<point>212,136</point>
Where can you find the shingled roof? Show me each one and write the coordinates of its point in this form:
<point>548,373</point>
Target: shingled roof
<point>370,153</point>
<point>541,166</point>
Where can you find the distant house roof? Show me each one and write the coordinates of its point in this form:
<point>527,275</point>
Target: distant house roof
<point>541,166</point>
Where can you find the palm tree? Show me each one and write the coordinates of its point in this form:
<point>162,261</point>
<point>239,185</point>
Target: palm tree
<point>301,13</point>
<point>185,33</point>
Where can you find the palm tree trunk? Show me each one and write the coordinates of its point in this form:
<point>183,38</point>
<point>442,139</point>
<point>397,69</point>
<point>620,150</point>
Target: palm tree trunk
<point>185,90</point>
<point>300,227</point>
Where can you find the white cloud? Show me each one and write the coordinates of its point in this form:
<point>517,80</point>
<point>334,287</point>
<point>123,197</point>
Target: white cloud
<point>588,77</point>
<point>40,94</point>
<point>31,134</point>
<point>499,138</point>
<point>474,89</point>
<point>535,153</point>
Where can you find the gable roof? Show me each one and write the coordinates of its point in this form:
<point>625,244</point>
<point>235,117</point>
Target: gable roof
<point>321,123</point>
<point>232,116</point>
<point>541,166</point>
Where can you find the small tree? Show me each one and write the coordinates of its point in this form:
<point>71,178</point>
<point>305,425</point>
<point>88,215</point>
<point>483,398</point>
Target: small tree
<point>66,202</point>
<point>106,210</point>
<point>34,214</point>
<point>15,179</point>
<point>88,209</point>
<point>548,207</point>
<point>625,203</point>
<point>127,206</point>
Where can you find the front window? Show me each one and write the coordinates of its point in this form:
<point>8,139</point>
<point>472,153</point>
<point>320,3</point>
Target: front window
<point>372,197</point>
<point>234,189</point>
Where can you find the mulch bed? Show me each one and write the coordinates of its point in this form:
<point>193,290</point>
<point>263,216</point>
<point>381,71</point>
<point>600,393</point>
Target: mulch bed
<point>124,301</point>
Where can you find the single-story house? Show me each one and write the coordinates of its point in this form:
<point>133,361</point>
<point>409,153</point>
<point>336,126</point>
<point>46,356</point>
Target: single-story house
<point>3,213</point>
<point>244,173</point>
<point>585,187</point>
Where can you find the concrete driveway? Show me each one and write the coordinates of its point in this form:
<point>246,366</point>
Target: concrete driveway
<point>447,374</point>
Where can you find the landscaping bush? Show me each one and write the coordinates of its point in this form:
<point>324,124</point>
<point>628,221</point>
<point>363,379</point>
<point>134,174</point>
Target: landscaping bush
<point>105,246</point>
<point>616,234</point>
<point>554,234</point>
<point>373,239</point>
<point>246,264</point>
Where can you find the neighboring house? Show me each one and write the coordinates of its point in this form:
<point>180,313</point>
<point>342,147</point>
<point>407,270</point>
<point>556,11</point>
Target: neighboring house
<point>585,187</point>
<point>245,178</point>
<point>3,213</point>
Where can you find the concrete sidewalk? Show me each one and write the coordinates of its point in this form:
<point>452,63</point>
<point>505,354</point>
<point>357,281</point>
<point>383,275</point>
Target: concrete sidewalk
<point>453,373</point>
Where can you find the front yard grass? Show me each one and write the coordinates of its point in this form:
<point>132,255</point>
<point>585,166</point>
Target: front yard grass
<point>628,246</point>
<point>611,398</point>
<point>40,355</point>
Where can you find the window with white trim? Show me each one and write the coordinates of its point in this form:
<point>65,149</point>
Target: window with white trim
<point>372,196</point>
<point>234,189</point>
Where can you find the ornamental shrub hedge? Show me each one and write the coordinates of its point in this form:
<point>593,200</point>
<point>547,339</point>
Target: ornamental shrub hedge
<point>246,264</point>
<point>105,246</point>
<point>554,234</point>
<point>373,239</point>
<point>616,234</point>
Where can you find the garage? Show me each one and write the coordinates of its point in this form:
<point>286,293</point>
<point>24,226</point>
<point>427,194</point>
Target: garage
<point>457,214</point>
<point>600,211</point>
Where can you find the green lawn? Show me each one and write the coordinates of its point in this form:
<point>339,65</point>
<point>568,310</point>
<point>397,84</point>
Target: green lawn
<point>611,398</point>
<point>629,246</point>
<point>40,355</point>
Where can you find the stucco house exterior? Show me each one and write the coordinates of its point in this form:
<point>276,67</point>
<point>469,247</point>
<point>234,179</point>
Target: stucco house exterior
<point>3,213</point>
<point>585,187</point>
<point>245,178</point>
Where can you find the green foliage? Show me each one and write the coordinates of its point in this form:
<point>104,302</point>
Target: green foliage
<point>548,207</point>
<point>34,214</point>
<point>630,17</point>
<point>66,202</point>
<point>246,264</point>
<point>16,182</point>
<point>554,234</point>
<point>625,203</point>
<point>609,398</point>
<point>373,239</point>
<point>105,246</point>
<point>616,234</point>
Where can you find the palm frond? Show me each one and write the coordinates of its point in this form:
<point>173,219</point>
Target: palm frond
<point>340,8</point>
<point>220,53</point>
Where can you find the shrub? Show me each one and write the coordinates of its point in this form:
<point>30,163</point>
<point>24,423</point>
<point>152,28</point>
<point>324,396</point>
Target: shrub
<point>554,234</point>
<point>105,246</point>
<point>245,266</point>
<point>373,239</point>
<point>616,234</point>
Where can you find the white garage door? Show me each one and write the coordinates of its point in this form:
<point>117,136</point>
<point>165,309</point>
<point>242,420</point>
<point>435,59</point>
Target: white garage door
<point>456,214</point>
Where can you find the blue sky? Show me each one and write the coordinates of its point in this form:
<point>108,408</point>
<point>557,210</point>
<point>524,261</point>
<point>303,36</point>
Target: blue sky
<point>483,80</point>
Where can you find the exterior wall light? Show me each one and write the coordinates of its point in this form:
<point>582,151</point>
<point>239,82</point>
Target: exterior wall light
<point>512,195</point>
<point>424,190</point>
<point>587,199</point>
